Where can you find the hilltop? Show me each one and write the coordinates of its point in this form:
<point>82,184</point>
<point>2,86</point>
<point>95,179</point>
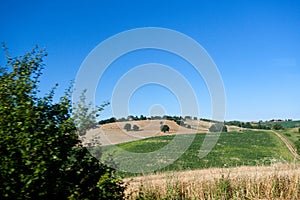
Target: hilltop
<point>114,133</point>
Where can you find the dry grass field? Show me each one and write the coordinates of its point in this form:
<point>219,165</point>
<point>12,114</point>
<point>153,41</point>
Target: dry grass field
<point>280,181</point>
<point>114,133</point>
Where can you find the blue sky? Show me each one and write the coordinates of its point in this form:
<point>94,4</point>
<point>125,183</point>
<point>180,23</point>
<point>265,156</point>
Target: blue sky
<point>255,45</point>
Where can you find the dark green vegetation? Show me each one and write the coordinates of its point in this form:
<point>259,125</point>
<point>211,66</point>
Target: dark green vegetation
<point>164,128</point>
<point>232,149</point>
<point>178,119</point>
<point>41,156</point>
<point>127,127</point>
<point>218,127</point>
<point>135,127</point>
<point>275,124</point>
<point>285,124</point>
<point>277,127</point>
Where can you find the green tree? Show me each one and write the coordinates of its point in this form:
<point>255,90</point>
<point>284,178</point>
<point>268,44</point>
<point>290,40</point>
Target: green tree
<point>135,128</point>
<point>41,156</point>
<point>188,126</point>
<point>164,128</point>
<point>277,127</point>
<point>84,114</point>
<point>218,127</point>
<point>127,127</point>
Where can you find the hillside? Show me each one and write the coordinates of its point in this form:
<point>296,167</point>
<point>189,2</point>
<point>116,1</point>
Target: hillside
<point>114,133</point>
<point>252,148</point>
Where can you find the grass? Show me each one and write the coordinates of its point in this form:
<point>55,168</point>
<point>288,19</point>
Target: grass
<point>251,148</point>
<point>292,134</point>
<point>276,182</point>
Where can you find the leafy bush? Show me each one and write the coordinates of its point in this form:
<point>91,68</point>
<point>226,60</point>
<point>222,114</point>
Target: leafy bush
<point>164,128</point>
<point>41,156</point>
<point>127,127</point>
<point>218,127</point>
<point>277,127</point>
<point>135,128</point>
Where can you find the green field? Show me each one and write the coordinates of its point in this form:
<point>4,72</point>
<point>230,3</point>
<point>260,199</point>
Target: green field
<point>232,149</point>
<point>292,134</point>
<point>285,124</point>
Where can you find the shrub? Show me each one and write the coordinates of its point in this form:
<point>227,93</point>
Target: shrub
<point>188,126</point>
<point>218,127</point>
<point>41,156</point>
<point>127,127</point>
<point>164,128</point>
<point>277,127</point>
<point>135,128</point>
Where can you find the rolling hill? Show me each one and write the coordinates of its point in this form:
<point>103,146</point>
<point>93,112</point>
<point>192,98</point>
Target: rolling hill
<point>114,133</point>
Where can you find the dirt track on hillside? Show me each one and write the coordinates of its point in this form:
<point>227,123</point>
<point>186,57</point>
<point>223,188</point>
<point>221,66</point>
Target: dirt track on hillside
<point>288,145</point>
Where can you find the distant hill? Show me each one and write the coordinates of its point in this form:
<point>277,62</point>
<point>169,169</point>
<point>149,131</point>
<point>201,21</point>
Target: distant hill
<point>114,133</point>
<point>285,124</point>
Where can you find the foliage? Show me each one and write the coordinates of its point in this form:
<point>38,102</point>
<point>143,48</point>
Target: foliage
<point>259,125</point>
<point>127,127</point>
<point>135,128</point>
<point>188,126</point>
<point>297,146</point>
<point>218,127</point>
<point>84,114</point>
<point>285,124</point>
<point>233,149</point>
<point>106,121</point>
<point>247,125</point>
<point>41,156</point>
<point>223,188</point>
<point>277,127</point>
<point>164,128</point>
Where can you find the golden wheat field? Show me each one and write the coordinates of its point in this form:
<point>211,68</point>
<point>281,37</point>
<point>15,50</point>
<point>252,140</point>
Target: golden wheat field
<point>281,181</point>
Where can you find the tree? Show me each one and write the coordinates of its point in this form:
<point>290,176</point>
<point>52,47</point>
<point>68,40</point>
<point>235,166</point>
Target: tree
<point>218,127</point>
<point>41,156</point>
<point>84,114</point>
<point>142,117</point>
<point>180,122</point>
<point>277,127</point>
<point>127,127</point>
<point>299,130</point>
<point>135,128</point>
<point>188,126</point>
<point>247,125</point>
<point>165,128</point>
<point>187,118</point>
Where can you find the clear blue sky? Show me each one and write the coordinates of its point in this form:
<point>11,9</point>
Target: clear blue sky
<point>255,44</point>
